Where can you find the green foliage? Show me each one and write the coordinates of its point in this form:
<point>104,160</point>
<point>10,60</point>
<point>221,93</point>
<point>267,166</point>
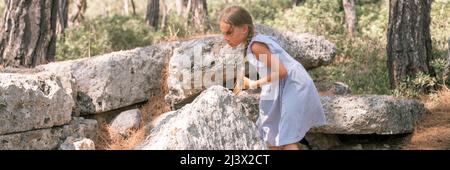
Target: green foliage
<point>440,27</point>
<point>263,11</point>
<point>414,87</point>
<point>313,16</point>
<point>373,16</point>
<point>103,35</point>
<point>360,62</point>
<point>439,67</point>
<point>422,83</point>
<point>360,65</point>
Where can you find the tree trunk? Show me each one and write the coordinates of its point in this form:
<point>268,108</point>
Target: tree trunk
<point>125,7</point>
<point>62,23</point>
<point>409,40</point>
<point>297,2</point>
<point>165,14</point>
<point>447,69</point>
<point>350,17</point>
<point>28,37</point>
<point>194,12</point>
<point>133,6</point>
<point>200,15</point>
<point>153,13</point>
<point>77,16</point>
<point>181,6</point>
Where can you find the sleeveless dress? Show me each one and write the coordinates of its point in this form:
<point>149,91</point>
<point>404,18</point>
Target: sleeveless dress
<point>288,107</point>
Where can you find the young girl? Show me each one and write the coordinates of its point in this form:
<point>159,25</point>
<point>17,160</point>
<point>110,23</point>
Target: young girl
<point>285,117</point>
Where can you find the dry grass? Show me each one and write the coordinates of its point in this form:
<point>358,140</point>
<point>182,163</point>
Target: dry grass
<point>441,103</point>
<point>157,105</point>
<point>107,140</point>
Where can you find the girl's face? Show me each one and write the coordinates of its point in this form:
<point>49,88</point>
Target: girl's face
<point>234,35</point>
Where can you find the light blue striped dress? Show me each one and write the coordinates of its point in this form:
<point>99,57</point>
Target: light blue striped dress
<point>289,108</point>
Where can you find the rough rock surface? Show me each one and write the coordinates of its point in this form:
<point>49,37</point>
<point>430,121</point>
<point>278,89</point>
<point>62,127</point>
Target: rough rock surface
<point>214,121</point>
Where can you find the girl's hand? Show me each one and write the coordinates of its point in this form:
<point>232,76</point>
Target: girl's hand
<point>237,90</point>
<point>250,84</point>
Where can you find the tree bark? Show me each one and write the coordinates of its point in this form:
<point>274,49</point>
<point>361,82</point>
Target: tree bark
<point>28,37</point>
<point>62,23</point>
<point>350,17</point>
<point>181,6</point>
<point>133,6</point>
<point>194,12</point>
<point>297,2</point>
<point>152,16</point>
<point>200,15</point>
<point>447,68</point>
<point>125,7</point>
<point>165,14</point>
<point>77,16</point>
<point>409,39</point>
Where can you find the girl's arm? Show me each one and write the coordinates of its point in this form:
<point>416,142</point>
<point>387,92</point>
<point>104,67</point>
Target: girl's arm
<point>262,53</point>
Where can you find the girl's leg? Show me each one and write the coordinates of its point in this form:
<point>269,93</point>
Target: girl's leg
<point>293,146</point>
<point>274,147</point>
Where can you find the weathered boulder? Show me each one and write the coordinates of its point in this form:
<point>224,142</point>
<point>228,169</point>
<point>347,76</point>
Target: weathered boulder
<point>32,101</point>
<point>126,121</point>
<point>213,121</point>
<point>196,64</point>
<point>81,128</point>
<point>44,139</point>
<point>320,141</point>
<point>77,144</point>
<point>111,81</point>
<point>250,101</point>
<point>310,50</point>
<point>49,138</point>
<point>382,115</point>
<point>340,88</point>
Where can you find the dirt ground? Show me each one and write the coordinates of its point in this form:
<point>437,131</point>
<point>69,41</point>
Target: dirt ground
<point>433,132</point>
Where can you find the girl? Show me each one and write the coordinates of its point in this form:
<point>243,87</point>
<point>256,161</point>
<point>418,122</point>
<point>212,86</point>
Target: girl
<point>286,115</point>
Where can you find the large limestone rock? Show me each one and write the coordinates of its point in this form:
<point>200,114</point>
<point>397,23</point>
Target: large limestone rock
<point>114,80</point>
<point>382,115</point>
<point>340,88</point>
<point>32,101</point>
<point>310,50</point>
<point>49,138</point>
<point>195,64</point>
<point>44,139</point>
<point>214,121</point>
<point>125,122</point>
<point>318,141</point>
<point>81,128</point>
<point>77,144</point>
<point>250,101</point>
